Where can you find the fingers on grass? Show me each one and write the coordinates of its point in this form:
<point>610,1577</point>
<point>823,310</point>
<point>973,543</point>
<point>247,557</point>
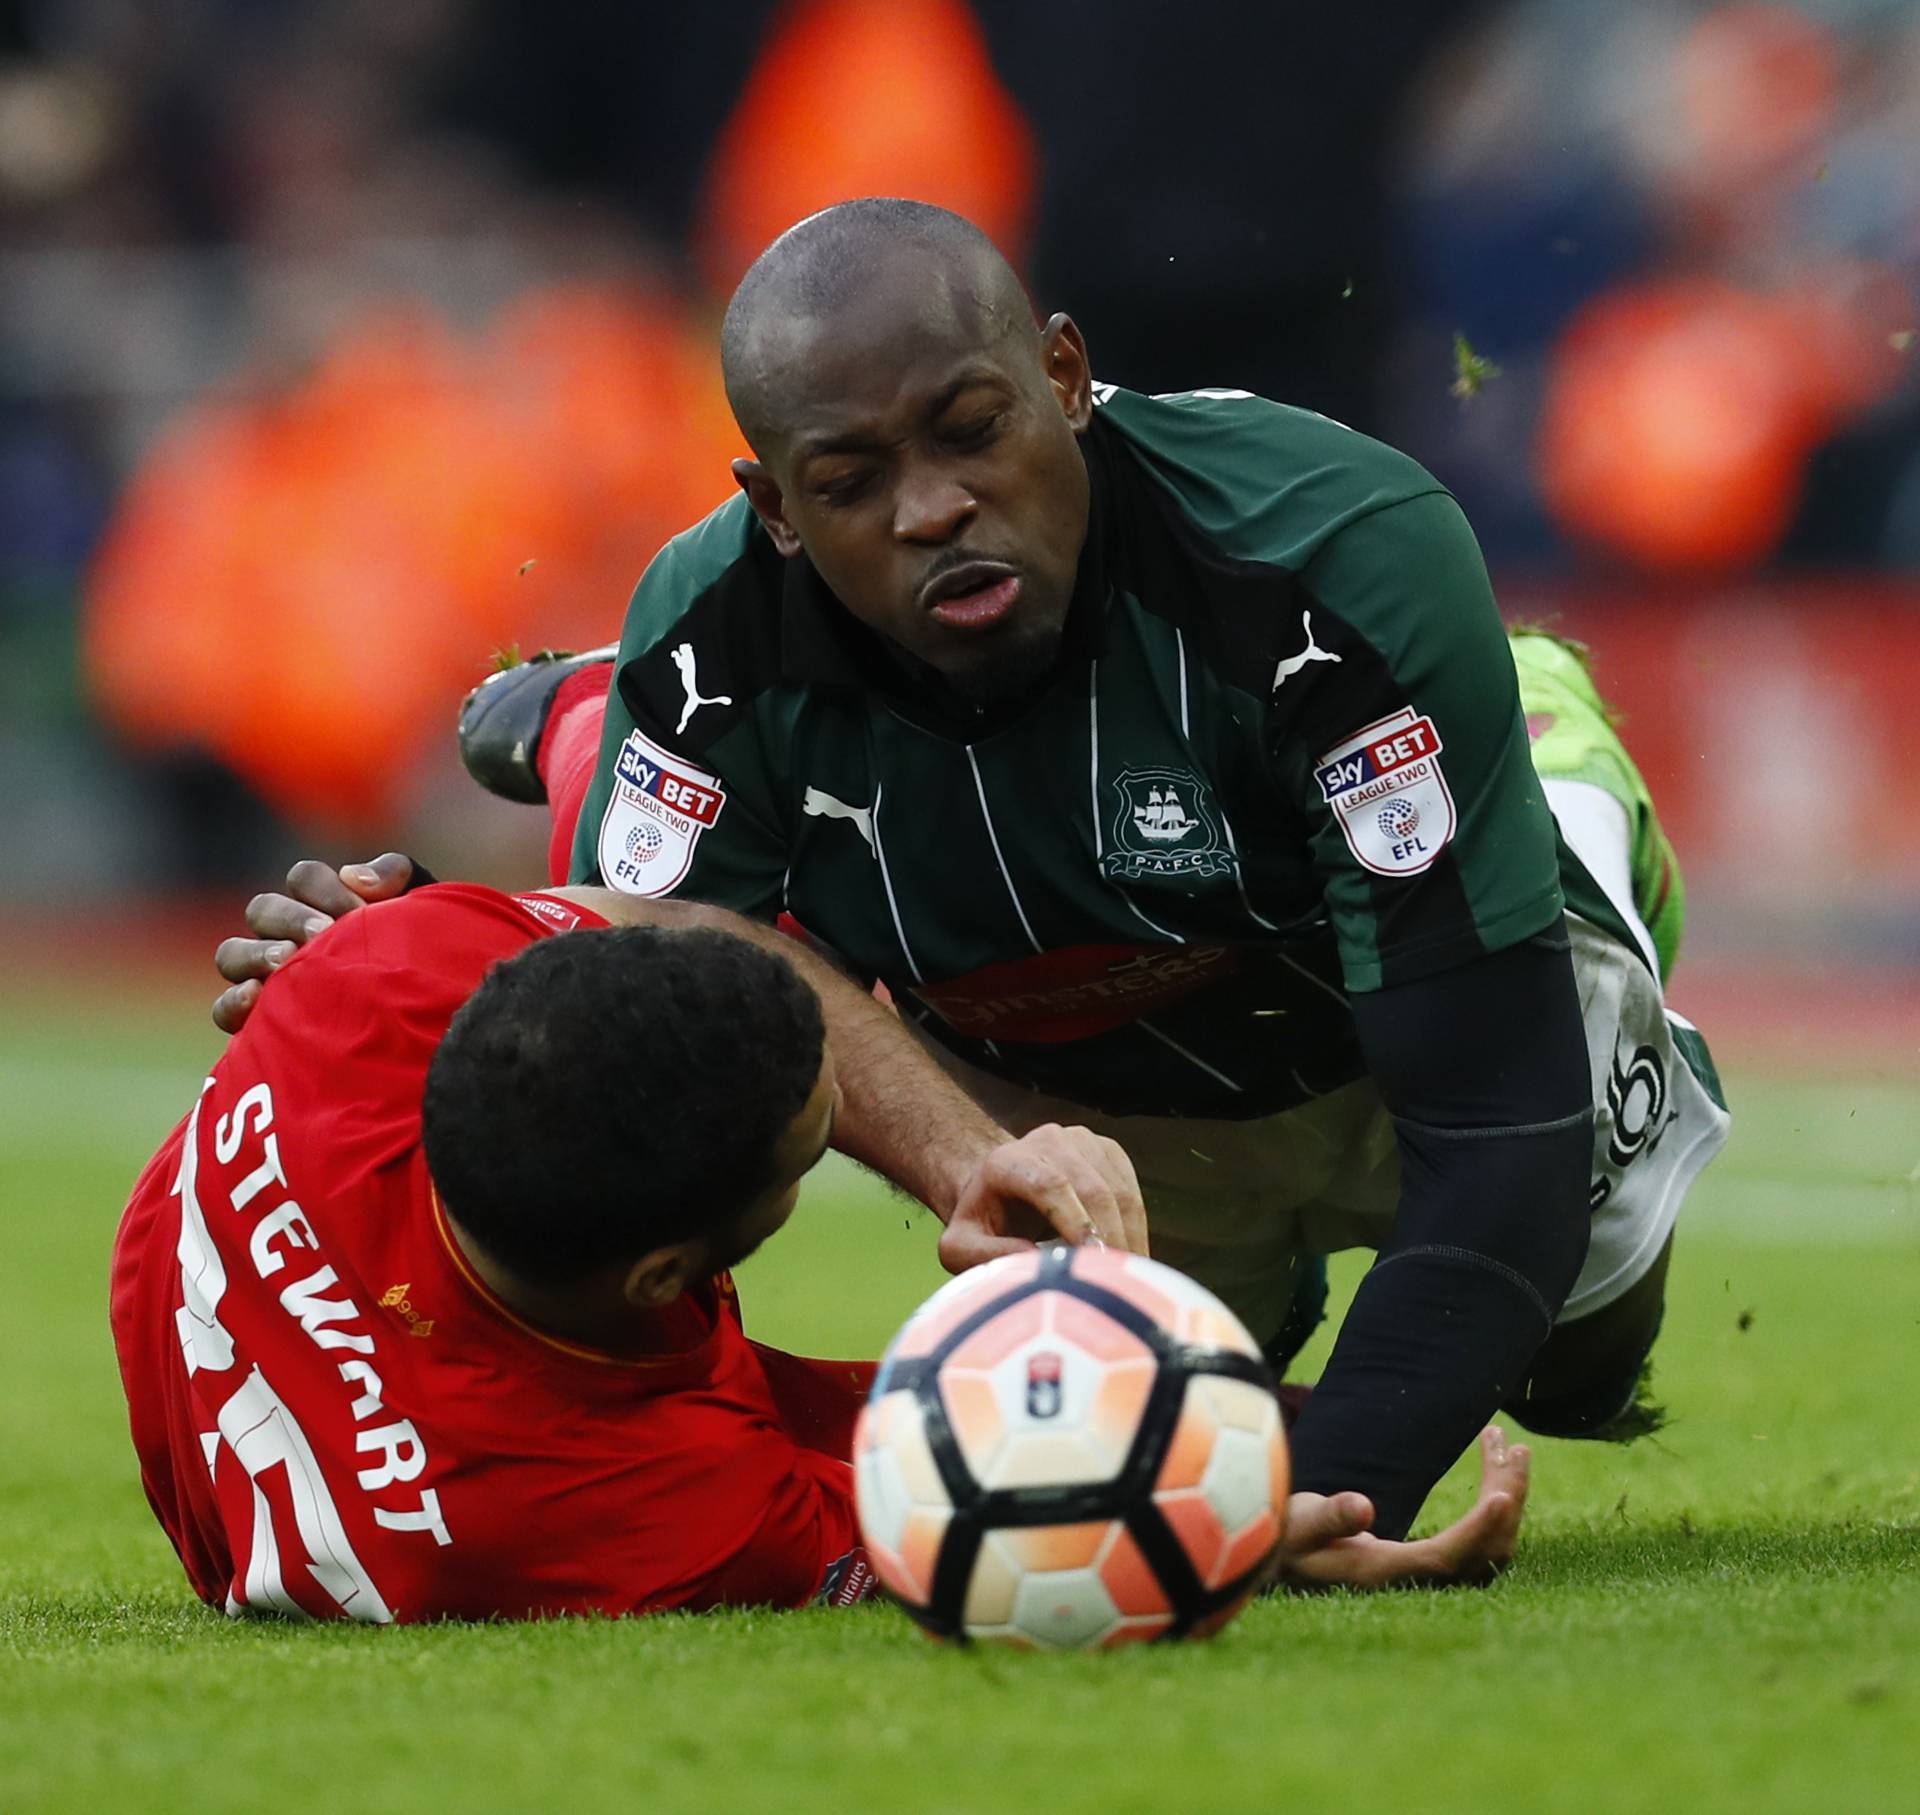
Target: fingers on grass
<point>1314,1521</point>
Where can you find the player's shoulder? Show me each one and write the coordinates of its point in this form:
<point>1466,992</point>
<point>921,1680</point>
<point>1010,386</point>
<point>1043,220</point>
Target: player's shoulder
<point>431,945</point>
<point>347,1027</point>
<point>390,928</point>
<point>705,635</point>
<point>1262,481</point>
<point>723,568</point>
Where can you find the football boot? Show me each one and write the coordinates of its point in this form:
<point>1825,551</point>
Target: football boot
<point>502,720</point>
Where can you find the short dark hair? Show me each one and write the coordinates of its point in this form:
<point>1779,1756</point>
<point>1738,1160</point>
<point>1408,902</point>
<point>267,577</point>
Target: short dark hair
<point>608,1092</point>
<point>820,261</point>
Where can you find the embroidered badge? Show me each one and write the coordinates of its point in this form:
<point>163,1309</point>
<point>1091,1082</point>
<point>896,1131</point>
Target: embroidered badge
<point>659,807</point>
<point>1386,788</point>
<point>1165,825</point>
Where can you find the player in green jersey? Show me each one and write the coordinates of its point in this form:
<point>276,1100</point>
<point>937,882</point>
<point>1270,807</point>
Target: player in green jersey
<point>1165,758</point>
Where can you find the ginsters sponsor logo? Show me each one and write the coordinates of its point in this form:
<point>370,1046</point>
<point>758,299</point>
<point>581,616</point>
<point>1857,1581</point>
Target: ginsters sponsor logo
<point>1075,992</point>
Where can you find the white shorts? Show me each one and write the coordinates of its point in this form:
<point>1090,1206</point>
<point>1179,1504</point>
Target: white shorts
<point>1236,1204</point>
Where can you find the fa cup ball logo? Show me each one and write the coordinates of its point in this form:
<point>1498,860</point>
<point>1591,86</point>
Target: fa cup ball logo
<point>1043,1385</point>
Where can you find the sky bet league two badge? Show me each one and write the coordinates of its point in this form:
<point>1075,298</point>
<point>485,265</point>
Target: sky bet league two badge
<point>1385,786</point>
<point>659,807</point>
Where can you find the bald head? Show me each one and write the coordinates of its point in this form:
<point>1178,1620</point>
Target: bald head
<point>916,436</point>
<point>831,260</point>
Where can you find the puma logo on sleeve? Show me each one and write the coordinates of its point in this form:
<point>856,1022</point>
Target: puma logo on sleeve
<point>1312,653</point>
<point>683,659</point>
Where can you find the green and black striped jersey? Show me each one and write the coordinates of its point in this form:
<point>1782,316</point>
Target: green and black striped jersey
<point>1281,758</point>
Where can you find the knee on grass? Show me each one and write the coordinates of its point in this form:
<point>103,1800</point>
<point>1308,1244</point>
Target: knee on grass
<point>1607,1410</point>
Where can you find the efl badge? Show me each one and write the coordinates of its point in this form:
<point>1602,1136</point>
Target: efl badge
<point>1385,787</point>
<point>1165,826</point>
<point>660,805</point>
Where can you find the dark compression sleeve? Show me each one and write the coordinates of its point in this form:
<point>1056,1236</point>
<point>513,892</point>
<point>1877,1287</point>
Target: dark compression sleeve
<point>1484,1069</point>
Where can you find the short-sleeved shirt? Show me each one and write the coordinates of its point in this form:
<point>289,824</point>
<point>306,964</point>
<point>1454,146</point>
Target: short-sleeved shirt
<point>334,1414</point>
<point>1281,758</point>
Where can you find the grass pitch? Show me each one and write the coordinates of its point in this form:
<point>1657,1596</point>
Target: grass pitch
<point>1727,1616</point>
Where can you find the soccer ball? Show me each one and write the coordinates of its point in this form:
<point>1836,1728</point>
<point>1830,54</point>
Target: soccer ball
<point>1071,1448</point>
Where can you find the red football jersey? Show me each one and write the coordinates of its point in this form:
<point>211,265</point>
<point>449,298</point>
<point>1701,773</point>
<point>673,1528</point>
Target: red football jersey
<point>335,1416</point>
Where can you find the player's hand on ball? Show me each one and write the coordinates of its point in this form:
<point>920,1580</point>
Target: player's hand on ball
<point>1054,1184</point>
<point>1328,1544</point>
<point>317,895</point>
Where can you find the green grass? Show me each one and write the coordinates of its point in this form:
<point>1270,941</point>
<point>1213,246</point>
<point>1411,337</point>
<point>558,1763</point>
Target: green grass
<point>1727,1616</point>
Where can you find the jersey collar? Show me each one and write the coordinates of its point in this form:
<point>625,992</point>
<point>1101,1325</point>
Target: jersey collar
<point>654,1371</point>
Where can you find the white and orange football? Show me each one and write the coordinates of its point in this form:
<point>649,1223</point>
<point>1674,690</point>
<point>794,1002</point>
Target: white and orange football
<point>1072,1448</point>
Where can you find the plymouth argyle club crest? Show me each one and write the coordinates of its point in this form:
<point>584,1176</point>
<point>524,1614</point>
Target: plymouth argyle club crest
<point>1164,825</point>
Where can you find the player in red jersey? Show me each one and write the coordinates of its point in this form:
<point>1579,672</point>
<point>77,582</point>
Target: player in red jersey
<point>687,1490</point>
<point>423,1310</point>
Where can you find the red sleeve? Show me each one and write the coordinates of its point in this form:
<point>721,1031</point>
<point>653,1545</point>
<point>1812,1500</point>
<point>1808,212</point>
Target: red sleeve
<point>806,1548</point>
<point>771,1468</point>
<point>818,1401</point>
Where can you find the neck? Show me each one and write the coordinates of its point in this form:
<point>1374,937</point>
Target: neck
<point>595,1314</point>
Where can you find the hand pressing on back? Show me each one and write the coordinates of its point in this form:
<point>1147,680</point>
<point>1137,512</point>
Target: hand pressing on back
<point>316,896</point>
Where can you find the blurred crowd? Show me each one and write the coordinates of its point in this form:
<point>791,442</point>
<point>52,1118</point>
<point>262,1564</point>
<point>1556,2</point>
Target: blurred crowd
<point>345,342</point>
<point>1692,235</point>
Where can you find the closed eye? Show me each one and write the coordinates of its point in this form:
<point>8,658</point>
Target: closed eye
<point>976,432</point>
<point>843,488</point>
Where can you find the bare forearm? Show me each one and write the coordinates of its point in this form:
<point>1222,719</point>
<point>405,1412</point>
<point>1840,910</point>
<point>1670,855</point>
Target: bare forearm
<point>901,1114</point>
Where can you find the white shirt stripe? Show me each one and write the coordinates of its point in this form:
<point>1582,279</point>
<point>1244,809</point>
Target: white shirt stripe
<point>993,838</point>
<point>1319,983</point>
<point>1093,745</point>
<point>1192,1058</point>
<point>1093,801</point>
<point>1180,656</point>
<point>886,880</point>
<point>1239,875</point>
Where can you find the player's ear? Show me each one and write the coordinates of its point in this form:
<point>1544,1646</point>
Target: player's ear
<point>659,1278</point>
<point>1063,354</point>
<point>768,505</point>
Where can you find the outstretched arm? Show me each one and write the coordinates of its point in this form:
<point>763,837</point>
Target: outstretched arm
<point>1330,1543</point>
<point>1484,1069</point>
<point>907,1120</point>
<point>902,1115</point>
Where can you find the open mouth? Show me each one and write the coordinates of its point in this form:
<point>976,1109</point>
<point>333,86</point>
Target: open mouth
<point>974,597</point>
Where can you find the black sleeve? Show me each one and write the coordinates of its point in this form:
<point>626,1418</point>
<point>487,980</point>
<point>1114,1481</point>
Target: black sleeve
<point>1484,1070</point>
